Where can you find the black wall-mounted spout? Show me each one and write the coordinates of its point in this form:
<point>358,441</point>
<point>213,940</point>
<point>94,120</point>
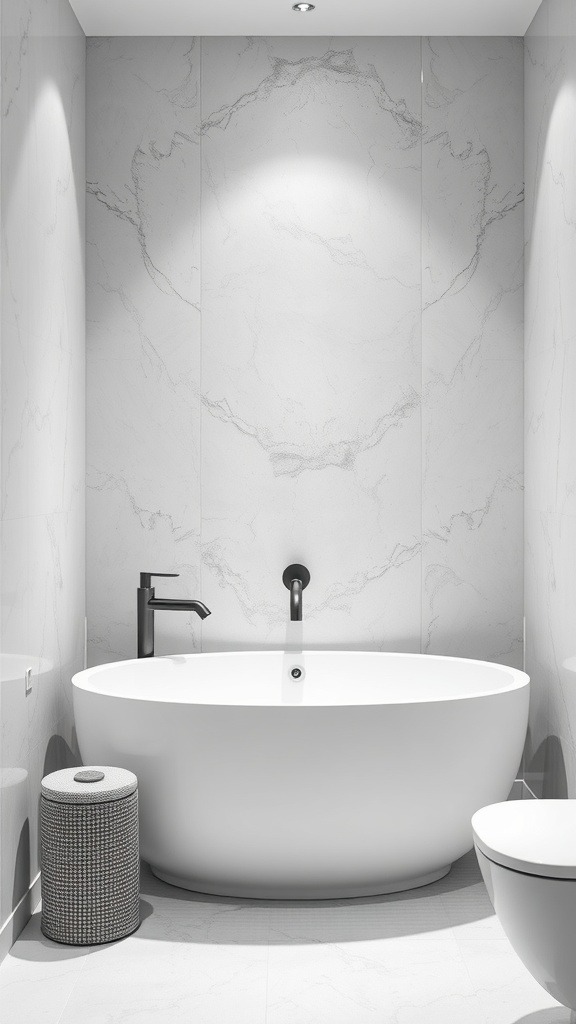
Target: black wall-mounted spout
<point>296,578</point>
<point>148,604</point>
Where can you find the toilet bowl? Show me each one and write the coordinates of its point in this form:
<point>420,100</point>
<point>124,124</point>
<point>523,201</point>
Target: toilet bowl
<point>527,854</point>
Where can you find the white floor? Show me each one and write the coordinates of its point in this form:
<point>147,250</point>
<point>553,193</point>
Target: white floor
<point>431,956</point>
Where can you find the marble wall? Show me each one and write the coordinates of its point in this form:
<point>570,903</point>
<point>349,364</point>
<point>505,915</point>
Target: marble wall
<point>550,76</point>
<point>305,340</point>
<point>42,419</point>
<point>472,348</point>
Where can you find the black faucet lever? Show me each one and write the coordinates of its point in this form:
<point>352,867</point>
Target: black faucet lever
<point>148,603</point>
<point>146,577</point>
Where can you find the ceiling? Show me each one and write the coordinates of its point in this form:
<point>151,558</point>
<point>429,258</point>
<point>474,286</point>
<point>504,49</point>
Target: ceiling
<point>330,18</point>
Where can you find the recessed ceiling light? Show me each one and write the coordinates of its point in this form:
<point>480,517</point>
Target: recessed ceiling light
<point>303,8</point>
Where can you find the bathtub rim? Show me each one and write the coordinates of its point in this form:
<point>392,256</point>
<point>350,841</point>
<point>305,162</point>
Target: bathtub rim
<point>519,679</point>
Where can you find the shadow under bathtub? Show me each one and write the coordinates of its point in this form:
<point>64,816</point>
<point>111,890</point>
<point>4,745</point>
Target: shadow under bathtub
<point>552,1015</point>
<point>458,898</point>
<point>170,914</point>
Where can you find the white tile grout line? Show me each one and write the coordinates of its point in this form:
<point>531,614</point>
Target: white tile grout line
<point>73,988</point>
<point>484,1013</point>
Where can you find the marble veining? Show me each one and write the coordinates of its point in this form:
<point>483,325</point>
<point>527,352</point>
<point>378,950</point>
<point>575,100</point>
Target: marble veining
<point>291,460</point>
<point>143,344</point>
<point>304,305</point>
<point>132,213</point>
<point>472,348</point>
<point>339,64</point>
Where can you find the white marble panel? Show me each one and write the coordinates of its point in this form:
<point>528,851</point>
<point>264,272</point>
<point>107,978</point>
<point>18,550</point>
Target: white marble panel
<point>143,335</point>
<point>550,312</point>
<point>550,407</point>
<point>43,415</point>
<point>312,357</point>
<point>310,319</point>
<point>551,262</point>
<point>43,310</point>
<point>472,188</point>
<point>43,624</point>
<point>42,422</point>
<point>551,653</point>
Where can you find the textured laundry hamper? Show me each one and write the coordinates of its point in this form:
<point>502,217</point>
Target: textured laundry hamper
<point>89,855</point>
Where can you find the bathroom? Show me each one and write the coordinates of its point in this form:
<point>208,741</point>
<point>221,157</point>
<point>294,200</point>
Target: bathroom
<point>296,293</point>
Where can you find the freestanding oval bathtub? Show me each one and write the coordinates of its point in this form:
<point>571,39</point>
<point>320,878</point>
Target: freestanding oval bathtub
<point>359,777</point>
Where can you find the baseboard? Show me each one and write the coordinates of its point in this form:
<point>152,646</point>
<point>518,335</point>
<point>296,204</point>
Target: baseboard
<point>19,917</point>
<point>521,791</point>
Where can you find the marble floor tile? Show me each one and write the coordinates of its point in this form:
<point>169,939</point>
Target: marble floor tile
<point>436,955</point>
<point>146,981</point>
<point>505,989</point>
<point>329,982</point>
<point>37,977</point>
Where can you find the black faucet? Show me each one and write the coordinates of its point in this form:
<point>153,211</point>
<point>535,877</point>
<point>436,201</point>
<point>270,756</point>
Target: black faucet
<point>296,578</point>
<point>148,604</point>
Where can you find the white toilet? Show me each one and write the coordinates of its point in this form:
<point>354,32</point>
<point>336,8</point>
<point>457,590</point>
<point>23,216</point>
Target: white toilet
<point>527,853</point>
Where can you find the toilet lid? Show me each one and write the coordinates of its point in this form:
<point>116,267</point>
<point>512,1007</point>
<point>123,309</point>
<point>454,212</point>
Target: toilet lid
<point>534,836</point>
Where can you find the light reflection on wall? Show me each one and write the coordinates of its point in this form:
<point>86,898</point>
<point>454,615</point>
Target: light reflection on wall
<point>43,383</point>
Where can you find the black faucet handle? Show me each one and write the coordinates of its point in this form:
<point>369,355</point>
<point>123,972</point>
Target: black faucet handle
<point>146,577</point>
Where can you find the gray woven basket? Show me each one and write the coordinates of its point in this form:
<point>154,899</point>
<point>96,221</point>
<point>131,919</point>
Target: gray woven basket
<point>89,855</point>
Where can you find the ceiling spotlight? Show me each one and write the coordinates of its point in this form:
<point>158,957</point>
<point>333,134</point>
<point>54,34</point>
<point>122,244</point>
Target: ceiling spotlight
<point>303,7</point>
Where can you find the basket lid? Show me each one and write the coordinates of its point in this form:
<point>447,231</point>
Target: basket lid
<point>92,784</point>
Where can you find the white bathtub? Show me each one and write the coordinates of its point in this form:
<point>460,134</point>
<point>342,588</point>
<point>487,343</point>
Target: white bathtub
<point>359,778</point>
